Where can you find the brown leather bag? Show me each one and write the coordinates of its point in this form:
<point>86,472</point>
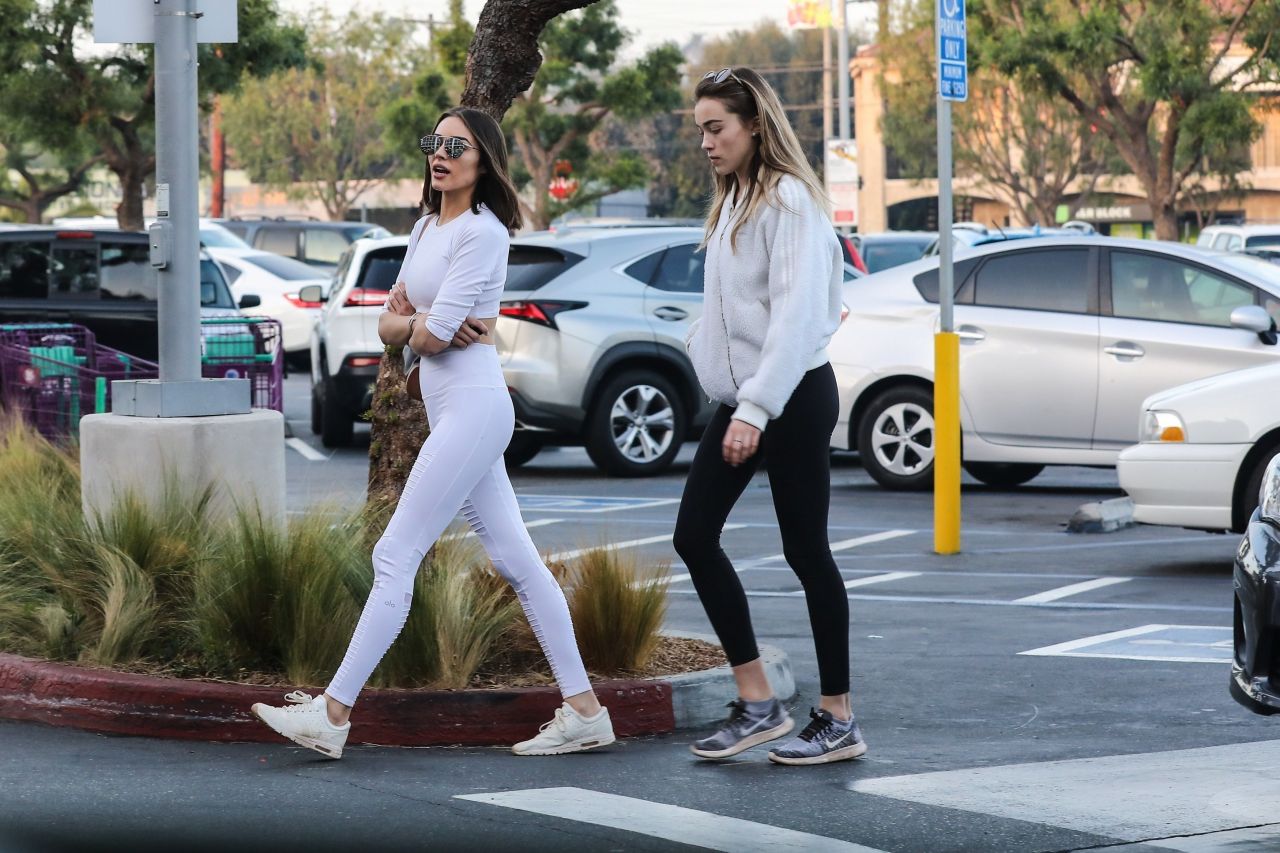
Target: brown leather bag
<point>412,383</point>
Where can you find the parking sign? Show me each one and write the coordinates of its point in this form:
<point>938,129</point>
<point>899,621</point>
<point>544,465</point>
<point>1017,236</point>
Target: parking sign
<point>953,69</point>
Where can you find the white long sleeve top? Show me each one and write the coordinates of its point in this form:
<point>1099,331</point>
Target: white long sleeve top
<point>770,307</point>
<point>457,269</point>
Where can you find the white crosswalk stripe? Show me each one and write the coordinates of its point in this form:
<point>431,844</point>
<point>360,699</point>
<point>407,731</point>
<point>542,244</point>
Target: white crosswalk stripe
<point>660,820</point>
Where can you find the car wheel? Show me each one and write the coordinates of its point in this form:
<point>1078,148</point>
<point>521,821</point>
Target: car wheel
<point>317,417</point>
<point>336,424</point>
<point>1004,474</point>
<point>1249,497</point>
<point>636,425</point>
<point>522,448</point>
<point>1248,701</point>
<point>895,438</point>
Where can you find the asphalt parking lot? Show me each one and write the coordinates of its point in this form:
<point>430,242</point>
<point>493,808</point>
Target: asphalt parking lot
<point>1040,691</point>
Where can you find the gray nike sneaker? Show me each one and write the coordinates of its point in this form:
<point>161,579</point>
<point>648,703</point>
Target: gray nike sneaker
<point>824,740</point>
<point>744,730</point>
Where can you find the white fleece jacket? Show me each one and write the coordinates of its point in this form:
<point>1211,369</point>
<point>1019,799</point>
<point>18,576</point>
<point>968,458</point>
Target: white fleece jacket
<point>770,307</point>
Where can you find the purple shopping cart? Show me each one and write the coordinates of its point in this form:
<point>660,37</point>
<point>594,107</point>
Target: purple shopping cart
<point>52,374</point>
<point>245,348</point>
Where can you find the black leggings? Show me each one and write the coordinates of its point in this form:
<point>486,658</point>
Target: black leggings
<point>797,443</point>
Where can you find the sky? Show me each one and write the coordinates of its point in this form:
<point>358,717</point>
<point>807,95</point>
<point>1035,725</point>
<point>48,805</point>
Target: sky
<point>649,21</point>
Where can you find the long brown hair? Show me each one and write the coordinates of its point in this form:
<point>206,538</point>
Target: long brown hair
<point>494,188</point>
<point>749,96</point>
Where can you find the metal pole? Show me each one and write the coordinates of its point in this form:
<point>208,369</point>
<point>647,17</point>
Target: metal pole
<point>842,72</point>
<point>946,280</point>
<point>946,385</point>
<point>177,182</point>
<point>827,124</point>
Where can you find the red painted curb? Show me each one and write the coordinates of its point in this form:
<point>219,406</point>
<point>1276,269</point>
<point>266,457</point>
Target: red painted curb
<point>123,703</point>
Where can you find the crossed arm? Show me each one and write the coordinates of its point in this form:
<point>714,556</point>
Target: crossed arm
<point>400,324</point>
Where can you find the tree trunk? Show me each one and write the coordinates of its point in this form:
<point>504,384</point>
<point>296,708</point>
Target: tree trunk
<point>1166,220</point>
<point>398,426</point>
<point>129,210</point>
<point>501,63</point>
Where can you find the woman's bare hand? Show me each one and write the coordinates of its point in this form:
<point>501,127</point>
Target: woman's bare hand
<point>741,441</point>
<point>471,331</point>
<point>399,302</point>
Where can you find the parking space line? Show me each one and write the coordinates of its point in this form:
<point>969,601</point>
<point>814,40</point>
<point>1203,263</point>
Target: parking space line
<point>1097,646</point>
<point>305,450</point>
<point>995,602</point>
<point>560,556</point>
<point>587,503</point>
<point>846,544</point>
<point>1069,590</point>
<point>660,820</point>
<point>867,581</point>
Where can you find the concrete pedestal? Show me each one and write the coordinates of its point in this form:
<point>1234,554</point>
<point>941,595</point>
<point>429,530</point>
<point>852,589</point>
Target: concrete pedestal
<point>242,456</point>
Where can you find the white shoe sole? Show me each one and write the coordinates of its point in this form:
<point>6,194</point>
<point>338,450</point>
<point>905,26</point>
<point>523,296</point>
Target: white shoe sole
<point>845,754</point>
<point>747,742</point>
<point>580,745</point>
<point>301,740</point>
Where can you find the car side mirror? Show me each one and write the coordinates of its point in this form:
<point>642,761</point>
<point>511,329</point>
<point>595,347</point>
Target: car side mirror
<point>250,300</point>
<point>1254,318</point>
<point>312,293</point>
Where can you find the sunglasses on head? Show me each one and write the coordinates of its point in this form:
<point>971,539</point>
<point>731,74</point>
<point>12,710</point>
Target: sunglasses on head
<point>454,146</point>
<point>720,76</point>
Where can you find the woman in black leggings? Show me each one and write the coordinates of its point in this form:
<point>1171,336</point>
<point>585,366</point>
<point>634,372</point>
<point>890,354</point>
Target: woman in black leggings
<point>772,301</point>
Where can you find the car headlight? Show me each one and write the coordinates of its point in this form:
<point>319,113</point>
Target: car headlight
<point>1269,494</point>
<point>1162,427</point>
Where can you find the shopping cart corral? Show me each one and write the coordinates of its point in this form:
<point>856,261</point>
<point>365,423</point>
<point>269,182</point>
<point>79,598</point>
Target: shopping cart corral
<point>52,374</point>
<point>245,348</point>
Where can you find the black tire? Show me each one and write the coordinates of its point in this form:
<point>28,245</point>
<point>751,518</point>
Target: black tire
<point>614,446</point>
<point>1249,702</point>
<point>337,426</point>
<point>523,447</point>
<point>1003,474</point>
<point>896,438</point>
<point>1249,497</point>
<point>317,422</point>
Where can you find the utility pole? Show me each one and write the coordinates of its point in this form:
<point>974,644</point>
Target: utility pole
<point>842,52</point>
<point>827,123</point>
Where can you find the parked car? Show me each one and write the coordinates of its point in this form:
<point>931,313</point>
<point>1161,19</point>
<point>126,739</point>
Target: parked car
<point>1255,668</point>
<point>1061,340</point>
<point>101,279</point>
<point>212,235</point>
<point>1196,468</point>
<point>315,243</point>
<point>1240,238</point>
<point>591,336</point>
<point>276,281</point>
<point>970,235</point>
<point>891,248</point>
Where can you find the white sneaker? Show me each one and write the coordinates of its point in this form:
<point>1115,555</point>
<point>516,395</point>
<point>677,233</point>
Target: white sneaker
<point>306,723</point>
<point>568,731</point>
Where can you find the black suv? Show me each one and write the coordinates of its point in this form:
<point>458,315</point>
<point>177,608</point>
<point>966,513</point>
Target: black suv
<point>311,241</point>
<point>99,279</point>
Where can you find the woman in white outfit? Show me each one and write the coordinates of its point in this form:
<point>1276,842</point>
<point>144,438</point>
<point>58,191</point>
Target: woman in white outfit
<point>443,307</point>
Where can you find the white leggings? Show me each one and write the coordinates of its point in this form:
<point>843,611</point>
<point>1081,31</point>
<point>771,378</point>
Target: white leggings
<point>460,467</point>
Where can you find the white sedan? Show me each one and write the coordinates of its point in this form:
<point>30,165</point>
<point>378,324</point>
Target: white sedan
<point>1061,340</point>
<point>1205,446</point>
<point>276,280</point>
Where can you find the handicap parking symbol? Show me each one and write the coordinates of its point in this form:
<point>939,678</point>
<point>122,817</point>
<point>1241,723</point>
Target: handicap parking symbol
<point>586,503</point>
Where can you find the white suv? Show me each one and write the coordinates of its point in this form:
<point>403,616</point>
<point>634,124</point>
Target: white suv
<point>1240,238</point>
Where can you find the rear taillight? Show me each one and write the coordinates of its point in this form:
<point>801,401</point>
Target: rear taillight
<point>854,256</point>
<point>542,311</point>
<point>302,303</point>
<point>74,235</point>
<point>363,360</point>
<point>361,298</point>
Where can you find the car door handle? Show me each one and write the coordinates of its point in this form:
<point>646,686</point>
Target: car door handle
<point>1125,349</point>
<point>668,313</point>
<point>971,333</point>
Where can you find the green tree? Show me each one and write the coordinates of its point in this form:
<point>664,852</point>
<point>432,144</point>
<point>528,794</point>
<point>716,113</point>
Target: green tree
<point>577,88</point>
<point>453,41</point>
<point>1171,83</point>
<point>1029,148</point>
<point>54,85</point>
<point>332,130</point>
<point>42,178</point>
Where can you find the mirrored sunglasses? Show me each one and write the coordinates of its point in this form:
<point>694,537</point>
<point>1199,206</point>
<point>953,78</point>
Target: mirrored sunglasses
<point>454,146</point>
<point>720,76</point>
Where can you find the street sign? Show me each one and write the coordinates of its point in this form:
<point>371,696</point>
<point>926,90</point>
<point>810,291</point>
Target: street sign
<point>841,176</point>
<point>953,51</point>
<point>134,21</point>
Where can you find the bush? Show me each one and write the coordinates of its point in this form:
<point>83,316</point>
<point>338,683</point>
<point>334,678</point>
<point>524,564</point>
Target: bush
<point>172,586</point>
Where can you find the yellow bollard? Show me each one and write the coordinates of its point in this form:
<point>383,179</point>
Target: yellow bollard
<point>946,443</point>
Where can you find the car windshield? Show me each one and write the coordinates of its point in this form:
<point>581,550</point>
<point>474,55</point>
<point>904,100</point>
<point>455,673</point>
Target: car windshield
<point>373,232</point>
<point>213,287</point>
<point>882,254</point>
<point>1261,240</point>
<point>282,267</point>
<point>217,237</point>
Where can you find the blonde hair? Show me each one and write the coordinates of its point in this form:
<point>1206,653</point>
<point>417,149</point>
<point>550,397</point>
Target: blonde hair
<point>747,95</point>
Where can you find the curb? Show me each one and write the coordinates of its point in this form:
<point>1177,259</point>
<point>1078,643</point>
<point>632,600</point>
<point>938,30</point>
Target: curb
<point>100,700</point>
<point>1102,516</point>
